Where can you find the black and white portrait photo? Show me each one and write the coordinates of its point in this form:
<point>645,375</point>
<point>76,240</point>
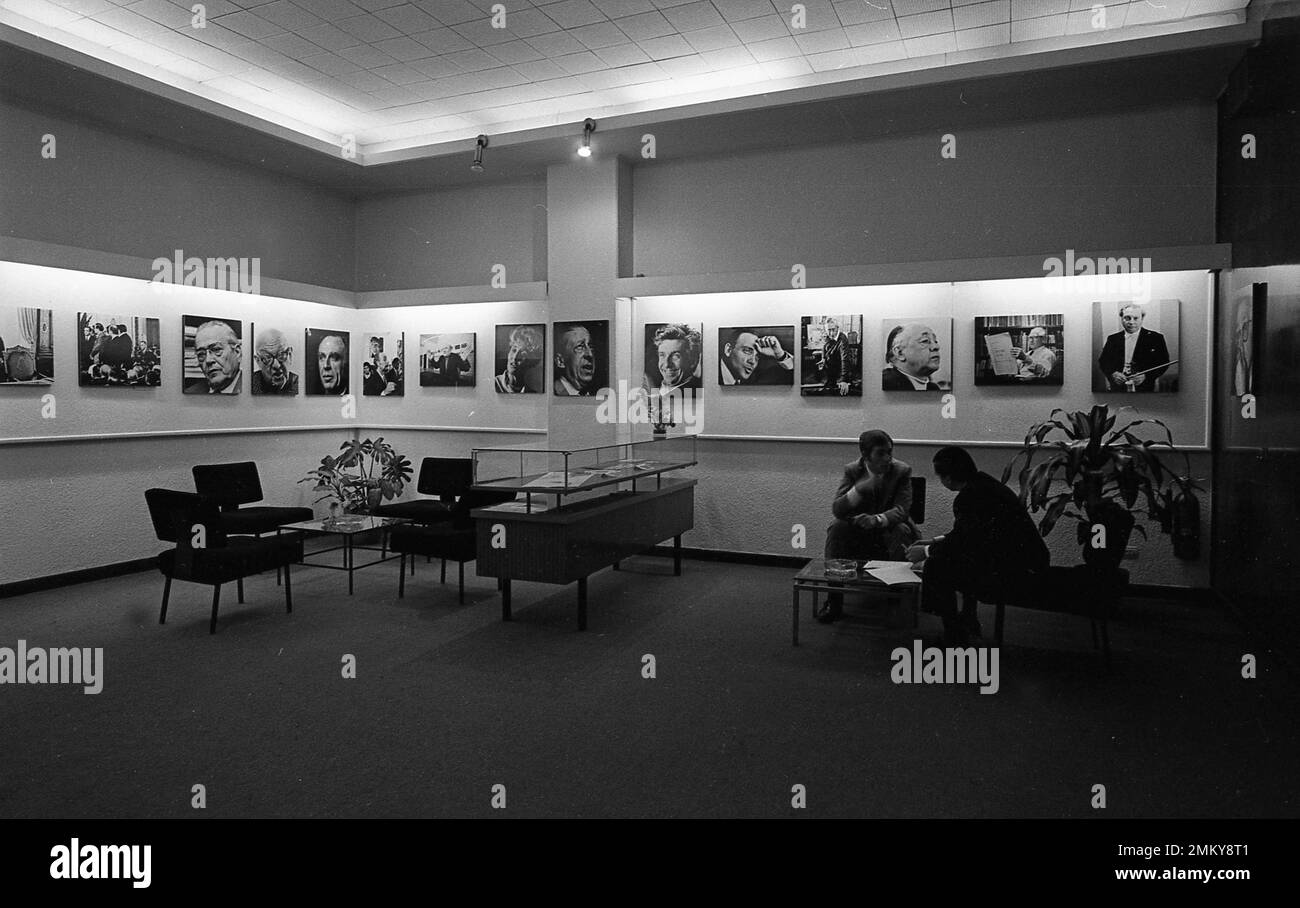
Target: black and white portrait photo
<point>26,346</point>
<point>275,368</point>
<point>762,355</point>
<point>918,354</point>
<point>327,361</point>
<point>1248,310</point>
<point>581,358</point>
<point>520,359</point>
<point>1019,350</point>
<point>830,354</point>
<point>383,370</point>
<point>1139,347</point>
<point>213,355</point>
<point>447,360</point>
<point>674,354</point>
<point>118,351</point>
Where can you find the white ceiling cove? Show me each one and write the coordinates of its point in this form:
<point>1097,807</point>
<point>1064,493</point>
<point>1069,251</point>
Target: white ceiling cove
<point>398,76</point>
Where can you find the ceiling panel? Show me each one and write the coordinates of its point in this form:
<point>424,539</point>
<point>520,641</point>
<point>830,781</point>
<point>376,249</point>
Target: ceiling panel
<point>419,73</point>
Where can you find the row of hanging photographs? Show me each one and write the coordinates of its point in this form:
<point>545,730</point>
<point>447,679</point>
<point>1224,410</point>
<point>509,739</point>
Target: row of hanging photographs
<point>1137,346</point>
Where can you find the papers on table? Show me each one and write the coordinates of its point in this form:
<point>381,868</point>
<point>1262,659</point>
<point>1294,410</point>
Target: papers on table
<point>555,480</point>
<point>892,573</point>
<point>999,347</point>
<point>520,507</point>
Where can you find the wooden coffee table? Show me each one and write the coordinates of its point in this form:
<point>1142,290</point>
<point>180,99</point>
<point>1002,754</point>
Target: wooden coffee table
<point>813,579</point>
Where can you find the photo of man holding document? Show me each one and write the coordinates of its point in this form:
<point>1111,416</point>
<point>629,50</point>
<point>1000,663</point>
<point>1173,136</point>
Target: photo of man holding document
<point>1019,350</point>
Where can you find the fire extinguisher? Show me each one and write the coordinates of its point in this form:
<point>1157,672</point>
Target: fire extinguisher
<point>1187,527</point>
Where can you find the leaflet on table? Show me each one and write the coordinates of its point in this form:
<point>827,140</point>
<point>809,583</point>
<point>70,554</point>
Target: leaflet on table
<point>891,573</point>
<point>556,480</point>
<point>521,507</point>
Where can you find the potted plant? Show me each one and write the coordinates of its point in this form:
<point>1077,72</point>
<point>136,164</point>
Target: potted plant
<point>1107,471</point>
<point>362,475</point>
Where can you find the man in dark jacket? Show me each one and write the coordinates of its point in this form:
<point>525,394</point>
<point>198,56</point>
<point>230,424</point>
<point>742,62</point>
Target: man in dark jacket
<point>872,509</point>
<point>993,551</point>
<point>1129,358</point>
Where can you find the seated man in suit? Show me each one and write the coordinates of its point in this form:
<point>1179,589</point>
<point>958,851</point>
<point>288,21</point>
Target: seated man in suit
<point>993,551</point>
<point>872,510</point>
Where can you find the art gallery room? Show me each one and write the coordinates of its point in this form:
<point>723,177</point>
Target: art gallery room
<point>479,521</point>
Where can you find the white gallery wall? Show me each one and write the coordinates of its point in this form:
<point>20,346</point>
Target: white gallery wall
<point>77,470</point>
<point>770,459</point>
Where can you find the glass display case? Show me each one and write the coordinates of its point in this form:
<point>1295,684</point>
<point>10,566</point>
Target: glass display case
<point>639,460</point>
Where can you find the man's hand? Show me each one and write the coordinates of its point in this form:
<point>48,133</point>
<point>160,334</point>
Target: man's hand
<point>1137,380</point>
<point>771,346</point>
<point>869,521</point>
<point>1017,353</point>
<point>1119,378</point>
<point>916,553</point>
<point>844,388</point>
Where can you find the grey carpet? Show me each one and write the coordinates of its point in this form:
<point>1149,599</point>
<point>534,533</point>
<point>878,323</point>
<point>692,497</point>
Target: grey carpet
<point>450,701</point>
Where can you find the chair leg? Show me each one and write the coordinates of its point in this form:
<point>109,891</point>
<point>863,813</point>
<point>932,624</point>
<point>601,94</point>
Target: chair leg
<point>1105,642</point>
<point>461,565</point>
<point>216,600</point>
<point>288,591</point>
<point>444,571</point>
<point>167,591</point>
<point>401,577</point>
<point>1092,623</point>
<point>239,585</point>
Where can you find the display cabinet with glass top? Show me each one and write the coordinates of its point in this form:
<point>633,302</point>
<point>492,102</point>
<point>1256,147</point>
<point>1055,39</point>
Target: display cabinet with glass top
<point>581,507</point>
<point>621,459</point>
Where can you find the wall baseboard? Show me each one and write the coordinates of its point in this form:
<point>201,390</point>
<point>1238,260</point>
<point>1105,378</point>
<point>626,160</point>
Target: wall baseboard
<point>69,578</point>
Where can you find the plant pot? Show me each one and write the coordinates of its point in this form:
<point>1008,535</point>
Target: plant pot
<point>1119,529</point>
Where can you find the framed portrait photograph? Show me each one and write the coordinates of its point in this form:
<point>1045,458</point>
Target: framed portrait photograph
<point>756,355</point>
<point>673,357</point>
<point>275,369</point>
<point>581,358</point>
<point>1249,308</point>
<point>327,361</point>
<point>118,351</point>
<point>830,356</point>
<point>212,355</point>
<point>1020,350</point>
<point>1138,344</point>
<point>447,360</point>
<point>520,359</point>
<point>383,370</point>
<point>26,346</point>
<point>917,354</point>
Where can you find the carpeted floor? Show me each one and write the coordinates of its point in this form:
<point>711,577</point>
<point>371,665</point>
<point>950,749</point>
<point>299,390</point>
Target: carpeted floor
<point>449,701</point>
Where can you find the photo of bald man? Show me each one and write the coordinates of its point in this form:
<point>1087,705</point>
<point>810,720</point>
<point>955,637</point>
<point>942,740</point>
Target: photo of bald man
<point>328,362</point>
<point>917,354</point>
<point>273,362</point>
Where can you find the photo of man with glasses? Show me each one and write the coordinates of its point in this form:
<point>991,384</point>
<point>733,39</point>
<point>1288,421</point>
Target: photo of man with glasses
<point>213,355</point>
<point>273,362</point>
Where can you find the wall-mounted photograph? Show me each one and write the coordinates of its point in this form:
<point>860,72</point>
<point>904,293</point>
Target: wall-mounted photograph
<point>327,361</point>
<point>1020,350</point>
<point>581,358</point>
<point>212,355</point>
<point>118,351</point>
<point>830,355</point>
<point>275,369</point>
<point>447,360</point>
<point>1139,347</point>
<point>917,354</point>
<point>1248,311</point>
<point>673,357</point>
<point>758,355</point>
<point>26,346</point>
<point>520,359</point>
<point>383,371</point>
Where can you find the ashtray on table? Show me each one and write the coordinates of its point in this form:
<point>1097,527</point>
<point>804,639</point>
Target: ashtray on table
<point>349,522</point>
<point>841,569</point>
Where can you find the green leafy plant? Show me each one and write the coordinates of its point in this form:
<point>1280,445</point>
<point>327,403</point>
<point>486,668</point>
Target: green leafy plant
<point>363,474</point>
<point>1107,471</point>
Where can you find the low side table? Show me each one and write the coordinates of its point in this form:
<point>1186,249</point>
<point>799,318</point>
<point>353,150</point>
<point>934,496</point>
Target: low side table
<point>348,532</point>
<point>813,579</point>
